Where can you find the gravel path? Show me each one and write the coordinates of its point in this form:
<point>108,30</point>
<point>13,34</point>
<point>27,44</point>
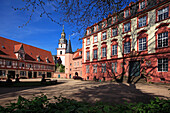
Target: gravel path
<point>90,91</point>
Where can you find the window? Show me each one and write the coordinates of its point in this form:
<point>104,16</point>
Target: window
<point>2,72</point>
<point>109,21</point>
<point>127,47</point>
<point>163,13</point>
<point>40,74</point>
<point>100,26</point>
<point>114,50</point>
<point>103,68</point>
<point>163,39</point>
<point>95,54</point>
<point>87,69</point>
<point>95,38</point>
<point>104,52</point>
<point>127,27</point>
<point>104,24</point>
<point>0,61</point>
<point>21,64</point>
<point>70,64</point>
<point>95,28</point>
<point>88,41</point>
<point>8,63</point>
<point>142,21</point>
<point>126,13</point>
<point>114,67</point>
<point>142,44</point>
<point>114,19</point>
<point>88,55</point>
<point>88,32</point>
<point>95,68</point>
<point>74,63</point>
<point>80,52</point>
<point>142,5</point>
<point>92,29</point>
<point>114,31</point>
<point>22,73</point>
<point>77,63</point>
<point>104,36</point>
<point>163,64</point>
<point>61,45</point>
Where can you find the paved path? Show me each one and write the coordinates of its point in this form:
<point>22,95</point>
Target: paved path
<point>90,91</point>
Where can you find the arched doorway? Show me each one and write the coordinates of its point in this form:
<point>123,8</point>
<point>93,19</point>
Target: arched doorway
<point>76,73</point>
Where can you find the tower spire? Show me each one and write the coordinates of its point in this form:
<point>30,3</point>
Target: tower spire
<point>69,48</point>
<point>63,28</point>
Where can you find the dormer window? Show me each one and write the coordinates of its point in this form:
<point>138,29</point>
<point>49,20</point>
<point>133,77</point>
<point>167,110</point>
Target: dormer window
<point>126,13</point>
<point>80,52</point>
<point>47,60</point>
<point>104,24</point>
<point>38,58</point>
<point>95,28</point>
<point>142,5</point>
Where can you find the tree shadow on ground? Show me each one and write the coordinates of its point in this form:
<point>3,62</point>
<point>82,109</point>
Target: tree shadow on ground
<point>114,94</point>
<point>14,87</point>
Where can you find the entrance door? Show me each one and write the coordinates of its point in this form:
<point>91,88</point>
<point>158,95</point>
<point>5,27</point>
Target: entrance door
<point>70,76</point>
<point>29,74</point>
<point>12,74</point>
<point>134,68</point>
<point>35,74</point>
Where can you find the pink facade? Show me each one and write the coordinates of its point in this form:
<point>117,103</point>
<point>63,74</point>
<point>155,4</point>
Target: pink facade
<point>137,44</point>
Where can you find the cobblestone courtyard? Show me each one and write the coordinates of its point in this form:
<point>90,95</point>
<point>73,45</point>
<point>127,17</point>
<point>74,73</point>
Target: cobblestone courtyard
<point>90,91</point>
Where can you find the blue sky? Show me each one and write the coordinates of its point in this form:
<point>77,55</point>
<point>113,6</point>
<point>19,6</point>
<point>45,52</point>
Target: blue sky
<point>40,32</point>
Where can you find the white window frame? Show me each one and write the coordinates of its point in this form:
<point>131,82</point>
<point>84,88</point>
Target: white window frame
<point>114,19</point>
<point>95,38</point>
<point>127,47</point>
<point>127,27</point>
<point>114,67</point>
<point>88,41</point>
<point>22,73</point>
<point>95,28</point>
<point>114,49</point>
<point>142,5</point>
<point>95,68</point>
<point>104,35</point>
<point>142,44</point>
<point>87,69</point>
<point>114,31</point>
<point>104,52</point>
<point>88,55</point>
<point>163,62</point>
<point>95,53</point>
<point>104,68</point>
<point>163,39</point>
<point>162,13</point>
<point>142,21</point>
<point>126,13</point>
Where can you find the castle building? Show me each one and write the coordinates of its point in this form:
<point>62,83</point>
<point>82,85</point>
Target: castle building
<point>25,60</point>
<point>134,41</point>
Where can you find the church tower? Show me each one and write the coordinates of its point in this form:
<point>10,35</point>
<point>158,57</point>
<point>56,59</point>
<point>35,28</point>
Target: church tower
<point>62,46</point>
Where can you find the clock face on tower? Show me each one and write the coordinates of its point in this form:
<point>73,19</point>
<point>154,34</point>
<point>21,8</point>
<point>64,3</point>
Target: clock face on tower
<point>61,40</point>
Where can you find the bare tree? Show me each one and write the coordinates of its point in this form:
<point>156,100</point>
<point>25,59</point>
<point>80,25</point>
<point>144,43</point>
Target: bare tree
<point>81,13</point>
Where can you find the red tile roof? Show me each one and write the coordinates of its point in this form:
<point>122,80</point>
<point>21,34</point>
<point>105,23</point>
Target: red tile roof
<point>8,47</point>
<point>77,54</point>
